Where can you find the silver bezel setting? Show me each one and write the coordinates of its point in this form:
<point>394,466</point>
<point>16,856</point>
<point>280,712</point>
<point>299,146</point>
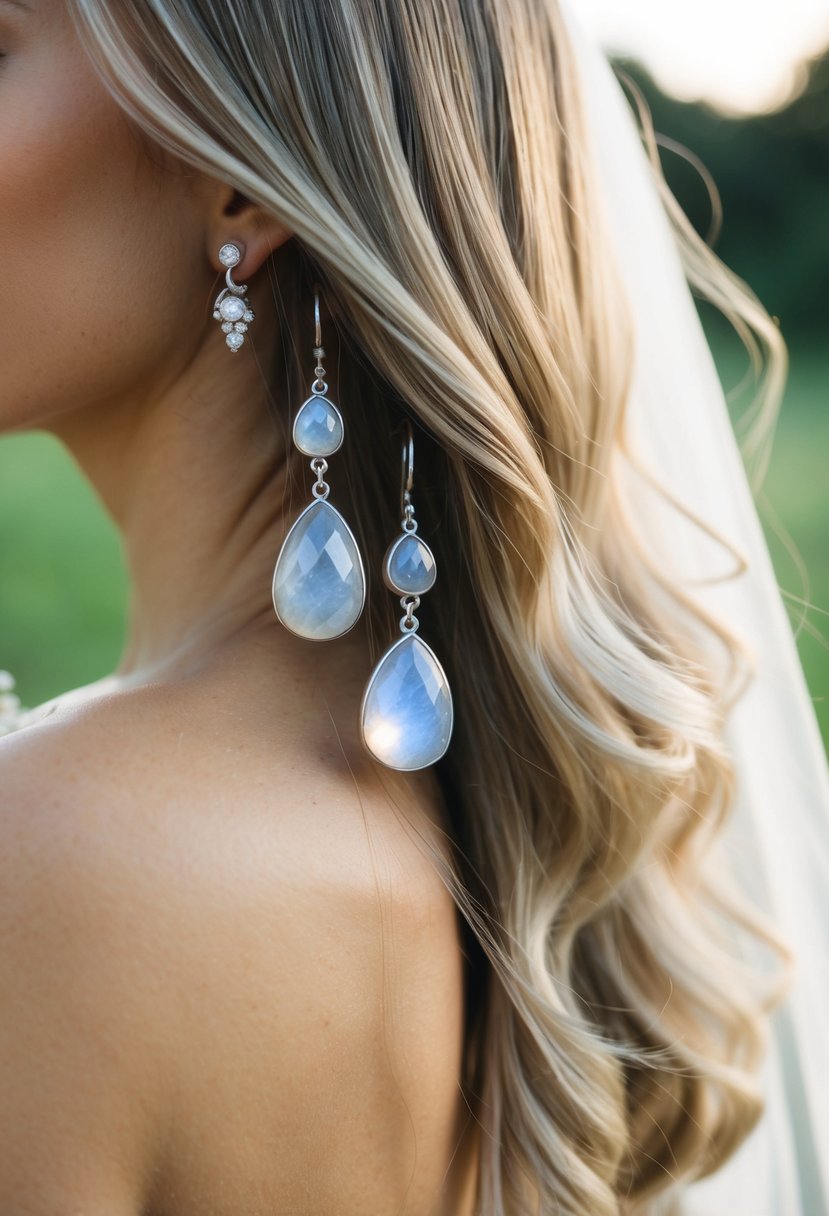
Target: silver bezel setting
<point>387,560</point>
<point>313,637</point>
<point>367,690</point>
<point>233,330</point>
<point>337,411</point>
<point>230,254</point>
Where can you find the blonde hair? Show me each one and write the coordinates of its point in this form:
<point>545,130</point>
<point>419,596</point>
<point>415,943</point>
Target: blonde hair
<point>426,155</point>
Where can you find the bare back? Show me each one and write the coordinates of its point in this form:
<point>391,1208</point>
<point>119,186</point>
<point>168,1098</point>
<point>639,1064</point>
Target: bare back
<point>264,961</point>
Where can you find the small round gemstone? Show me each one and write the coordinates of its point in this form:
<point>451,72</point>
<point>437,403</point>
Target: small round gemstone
<point>217,316</point>
<point>230,255</point>
<point>227,326</point>
<point>249,315</point>
<point>235,340</point>
<point>232,308</point>
<point>240,327</point>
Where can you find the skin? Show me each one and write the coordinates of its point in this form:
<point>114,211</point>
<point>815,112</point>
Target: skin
<point>232,976</point>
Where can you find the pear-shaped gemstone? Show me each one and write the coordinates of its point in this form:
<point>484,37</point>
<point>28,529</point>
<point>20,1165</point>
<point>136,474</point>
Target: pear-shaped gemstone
<point>318,427</point>
<point>409,565</point>
<point>318,582</point>
<point>406,714</point>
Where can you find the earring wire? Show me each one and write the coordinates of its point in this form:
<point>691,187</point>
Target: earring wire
<point>319,352</point>
<point>408,468</point>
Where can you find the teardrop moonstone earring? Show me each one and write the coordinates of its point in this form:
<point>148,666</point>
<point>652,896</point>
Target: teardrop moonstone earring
<point>319,585</point>
<point>406,715</point>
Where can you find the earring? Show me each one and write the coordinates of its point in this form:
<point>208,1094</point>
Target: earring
<point>235,313</point>
<point>406,713</point>
<point>319,584</point>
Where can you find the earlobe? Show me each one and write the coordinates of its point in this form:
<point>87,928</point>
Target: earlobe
<point>255,231</point>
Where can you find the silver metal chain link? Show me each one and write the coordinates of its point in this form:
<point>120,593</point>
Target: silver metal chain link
<point>320,488</point>
<point>409,622</point>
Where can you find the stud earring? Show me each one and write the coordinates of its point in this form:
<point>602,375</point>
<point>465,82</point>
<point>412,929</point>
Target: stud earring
<point>319,584</point>
<point>406,713</point>
<point>231,305</point>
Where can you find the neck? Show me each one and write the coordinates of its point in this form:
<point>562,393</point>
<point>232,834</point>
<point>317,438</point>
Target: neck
<point>194,476</point>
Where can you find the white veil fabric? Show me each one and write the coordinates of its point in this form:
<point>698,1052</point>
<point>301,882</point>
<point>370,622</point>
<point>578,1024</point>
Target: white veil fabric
<point>778,834</point>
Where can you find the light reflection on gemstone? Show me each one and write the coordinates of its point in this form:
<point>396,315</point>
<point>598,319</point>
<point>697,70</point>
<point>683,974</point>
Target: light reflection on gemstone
<point>384,737</point>
<point>318,582</point>
<point>406,714</point>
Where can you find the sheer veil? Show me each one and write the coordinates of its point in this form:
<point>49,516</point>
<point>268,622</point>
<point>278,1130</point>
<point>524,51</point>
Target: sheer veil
<point>778,835</point>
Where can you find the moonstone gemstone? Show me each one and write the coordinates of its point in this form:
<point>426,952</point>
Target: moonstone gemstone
<point>318,581</point>
<point>406,715</point>
<point>409,565</point>
<point>232,308</point>
<point>318,427</point>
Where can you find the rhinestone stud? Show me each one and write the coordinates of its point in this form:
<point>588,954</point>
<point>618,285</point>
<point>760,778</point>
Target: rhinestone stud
<point>230,255</point>
<point>232,308</point>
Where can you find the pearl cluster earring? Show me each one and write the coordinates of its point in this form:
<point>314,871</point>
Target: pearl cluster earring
<point>231,305</point>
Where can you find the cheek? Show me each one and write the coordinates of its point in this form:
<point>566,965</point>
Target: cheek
<point>104,264</point>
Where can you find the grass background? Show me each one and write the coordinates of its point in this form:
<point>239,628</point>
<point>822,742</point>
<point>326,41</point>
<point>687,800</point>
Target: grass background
<point>63,585</point>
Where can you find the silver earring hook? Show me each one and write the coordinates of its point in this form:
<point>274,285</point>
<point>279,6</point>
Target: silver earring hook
<point>318,351</point>
<point>238,289</point>
<point>408,471</point>
<point>319,386</point>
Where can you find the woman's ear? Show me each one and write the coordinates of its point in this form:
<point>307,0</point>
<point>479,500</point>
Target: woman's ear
<point>235,219</point>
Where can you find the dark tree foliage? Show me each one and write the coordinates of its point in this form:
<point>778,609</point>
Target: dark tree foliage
<point>772,173</point>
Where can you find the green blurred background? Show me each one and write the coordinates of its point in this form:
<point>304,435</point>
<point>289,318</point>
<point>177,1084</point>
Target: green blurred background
<point>62,581</point>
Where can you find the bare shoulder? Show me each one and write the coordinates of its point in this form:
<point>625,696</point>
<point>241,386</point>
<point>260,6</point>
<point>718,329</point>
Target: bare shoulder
<point>234,969</point>
<point>177,786</point>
